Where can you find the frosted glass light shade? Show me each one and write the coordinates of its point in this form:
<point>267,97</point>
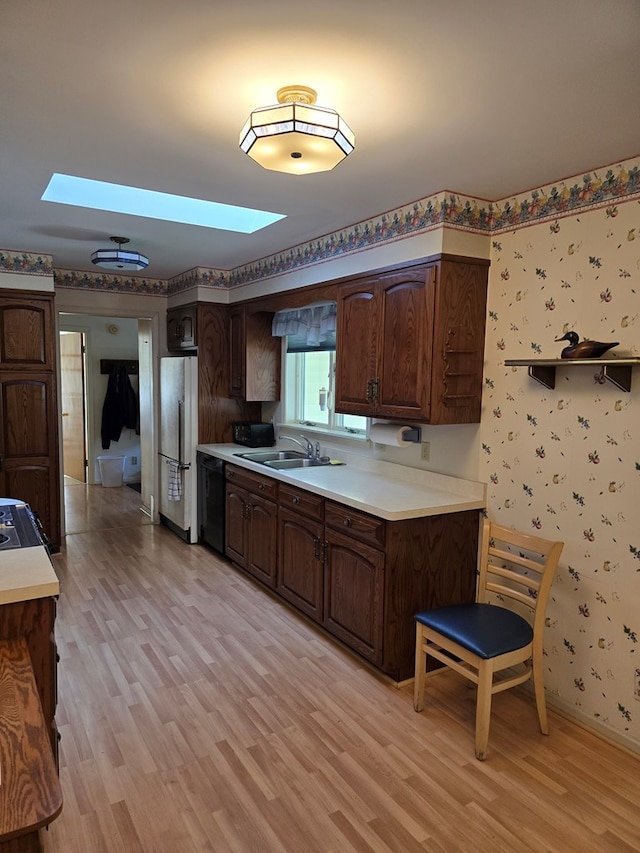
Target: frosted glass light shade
<point>298,138</point>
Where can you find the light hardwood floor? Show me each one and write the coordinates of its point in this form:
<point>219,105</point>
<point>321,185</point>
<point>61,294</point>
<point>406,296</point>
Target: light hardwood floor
<point>198,713</point>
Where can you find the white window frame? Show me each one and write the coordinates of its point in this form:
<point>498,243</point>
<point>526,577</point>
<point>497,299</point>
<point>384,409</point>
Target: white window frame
<point>293,397</point>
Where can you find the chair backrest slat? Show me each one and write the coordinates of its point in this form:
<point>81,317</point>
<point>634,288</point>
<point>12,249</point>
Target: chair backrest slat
<point>518,566</point>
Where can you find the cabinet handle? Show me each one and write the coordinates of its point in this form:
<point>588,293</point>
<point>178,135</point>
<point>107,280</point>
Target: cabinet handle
<point>261,487</point>
<point>230,475</point>
<point>296,500</point>
<point>369,390</point>
<point>348,522</point>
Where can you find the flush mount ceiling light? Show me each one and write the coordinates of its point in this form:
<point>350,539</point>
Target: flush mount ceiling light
<point>119,259</point>
<point>296,136</point>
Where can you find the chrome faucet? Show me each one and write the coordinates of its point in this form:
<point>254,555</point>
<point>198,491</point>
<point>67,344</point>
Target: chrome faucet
<point>307,446</point>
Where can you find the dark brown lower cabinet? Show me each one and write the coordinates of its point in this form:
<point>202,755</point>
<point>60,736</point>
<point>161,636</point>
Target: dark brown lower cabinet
<point>251,523</point>
<point>360,577</point>
<point>301,562</point>
<point>354,594</point>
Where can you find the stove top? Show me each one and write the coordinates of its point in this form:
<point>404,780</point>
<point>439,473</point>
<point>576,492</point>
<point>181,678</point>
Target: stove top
<point>18,527</point>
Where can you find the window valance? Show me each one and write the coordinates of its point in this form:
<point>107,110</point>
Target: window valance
<point>309,329</point>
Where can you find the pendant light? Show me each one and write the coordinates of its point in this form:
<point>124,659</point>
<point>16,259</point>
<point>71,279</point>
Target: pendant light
<point>119,258</point>
<point>295,135</point>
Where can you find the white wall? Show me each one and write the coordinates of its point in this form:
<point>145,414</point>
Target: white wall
<point>103,343</point>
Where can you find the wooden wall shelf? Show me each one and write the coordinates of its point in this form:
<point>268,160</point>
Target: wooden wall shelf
<point>543,370</point>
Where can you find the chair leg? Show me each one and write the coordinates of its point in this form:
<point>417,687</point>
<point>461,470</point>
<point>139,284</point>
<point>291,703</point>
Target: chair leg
<point>538,687</point>
<point>420,672</point>
<point>483,709</point>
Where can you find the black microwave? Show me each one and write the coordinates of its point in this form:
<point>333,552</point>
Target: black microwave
<point>253,434</point>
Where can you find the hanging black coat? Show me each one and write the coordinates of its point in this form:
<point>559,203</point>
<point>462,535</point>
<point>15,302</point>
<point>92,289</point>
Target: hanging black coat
<point>120,408</point>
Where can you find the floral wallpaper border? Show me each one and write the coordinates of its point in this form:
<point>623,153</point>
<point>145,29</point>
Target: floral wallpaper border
<point>596,188</point>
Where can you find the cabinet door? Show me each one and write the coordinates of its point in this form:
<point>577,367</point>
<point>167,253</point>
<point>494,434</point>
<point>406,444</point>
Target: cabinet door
<point>356,349</point>
<point>26,333</point>
<point>300,569</point>
<point>236,526</point>
<point>353,594</point>
<point>405,356</point>
<point>459,342</point>
<point>263,539</point>
<point>181,328</point>
<point>29,447</point>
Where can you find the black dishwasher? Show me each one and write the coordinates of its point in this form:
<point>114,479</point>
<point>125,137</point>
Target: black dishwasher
<point>211,501</point>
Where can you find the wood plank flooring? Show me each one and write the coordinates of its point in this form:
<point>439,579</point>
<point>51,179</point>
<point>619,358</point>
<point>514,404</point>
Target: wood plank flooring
<point>198,713</point>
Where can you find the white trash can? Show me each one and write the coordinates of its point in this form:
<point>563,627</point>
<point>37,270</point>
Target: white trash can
<point>111,470</point>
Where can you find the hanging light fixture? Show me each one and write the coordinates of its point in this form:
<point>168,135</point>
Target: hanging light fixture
<point>119,258</point>
<point>296,136</point>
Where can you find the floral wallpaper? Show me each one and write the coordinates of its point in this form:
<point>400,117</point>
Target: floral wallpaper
<point>565,463</point>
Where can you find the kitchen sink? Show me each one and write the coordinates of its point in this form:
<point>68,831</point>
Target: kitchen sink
<point>285,460</point>
<point>304,462</point>
<point>272,455</point>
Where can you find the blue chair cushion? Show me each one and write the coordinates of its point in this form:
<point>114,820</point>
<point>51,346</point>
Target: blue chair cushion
<point>485,629</point>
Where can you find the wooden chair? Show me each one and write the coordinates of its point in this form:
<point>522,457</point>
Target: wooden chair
<point>481,639</point>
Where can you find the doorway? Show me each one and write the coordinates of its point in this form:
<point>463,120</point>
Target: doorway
<point>74,407</point>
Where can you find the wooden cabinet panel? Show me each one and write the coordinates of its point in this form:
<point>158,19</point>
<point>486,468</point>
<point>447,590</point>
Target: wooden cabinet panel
<point>216,410</point>
<point>263,538</point>
<point>266,486</point>
<point>360,525</point>
<point>300,577</point>
<point>254,355</point>
<point>34,621</point>
<point>411,343</point>
<point>302,501</point>
<point>405,358</point>
<point>357,346</point>
<point>29,463</point>
<point>236,529</point>
<point>251,523</point>
<point>26,331</point>
<point>353,594</point>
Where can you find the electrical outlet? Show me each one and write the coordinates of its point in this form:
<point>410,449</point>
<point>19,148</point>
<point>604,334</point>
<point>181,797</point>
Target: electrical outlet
<point>134,460</point>
<point>425,454</point>
<point>636,685</point>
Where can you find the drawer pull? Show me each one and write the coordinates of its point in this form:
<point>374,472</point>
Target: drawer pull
<point>296,500</point>
<point>261,487</point>
<point>348,522</point>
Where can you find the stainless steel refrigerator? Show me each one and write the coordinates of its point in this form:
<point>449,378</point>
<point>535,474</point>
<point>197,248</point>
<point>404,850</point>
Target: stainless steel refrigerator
<point>177,501</point>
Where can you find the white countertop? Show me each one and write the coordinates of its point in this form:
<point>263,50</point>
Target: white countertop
<point>26,573</point>
<point>389,491</point>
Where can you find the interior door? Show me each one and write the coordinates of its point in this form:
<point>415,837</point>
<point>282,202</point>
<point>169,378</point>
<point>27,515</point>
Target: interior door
<point>74,445</point>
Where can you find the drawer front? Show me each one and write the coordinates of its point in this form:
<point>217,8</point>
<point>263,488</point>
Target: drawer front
<point>300,500</point>
<point>242,478</point>
<point>358,524</point>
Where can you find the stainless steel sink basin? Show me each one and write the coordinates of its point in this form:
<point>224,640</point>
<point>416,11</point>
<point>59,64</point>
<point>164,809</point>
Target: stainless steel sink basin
<point>271,455</point>
<point>286,464</point>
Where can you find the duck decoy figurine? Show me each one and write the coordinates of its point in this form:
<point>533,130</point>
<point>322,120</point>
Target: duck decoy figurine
<point>584,349</point>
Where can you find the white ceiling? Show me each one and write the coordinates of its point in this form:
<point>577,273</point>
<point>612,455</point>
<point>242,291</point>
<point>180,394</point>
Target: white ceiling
<point>487,99</point>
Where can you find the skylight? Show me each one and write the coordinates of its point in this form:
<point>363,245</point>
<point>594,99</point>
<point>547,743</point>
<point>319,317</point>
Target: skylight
<point>116,198</point>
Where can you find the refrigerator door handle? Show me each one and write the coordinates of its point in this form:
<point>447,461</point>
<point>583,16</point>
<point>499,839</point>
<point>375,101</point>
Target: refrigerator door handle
<point>180,413</point>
